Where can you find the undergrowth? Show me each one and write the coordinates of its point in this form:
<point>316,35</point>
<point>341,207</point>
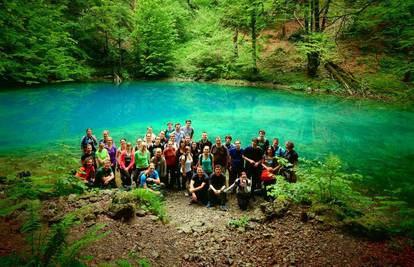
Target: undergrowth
<point>328,189</point>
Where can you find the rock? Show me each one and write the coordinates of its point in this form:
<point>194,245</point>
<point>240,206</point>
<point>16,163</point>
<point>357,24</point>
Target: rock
<point>186,257</point>
<point>230,261</point>
<point>121,211</point>
<point>140,213</point>
<point>276,209</point>
<point>155,254</point>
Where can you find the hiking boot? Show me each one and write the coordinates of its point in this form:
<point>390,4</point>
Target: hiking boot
<point>208,205</point>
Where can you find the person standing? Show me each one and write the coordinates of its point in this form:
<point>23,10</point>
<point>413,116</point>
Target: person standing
<point>169,130</point>
<point>142,158</point>
<point>253,156</point>
<point>220,155</point>
<point>186,162</point>
<point>204,142</point>
<point>236,161</point>
<point>105,135</point>
<point>263,143</point>
<point>278,151</point>
<point>205,160</point>
<point>179,134</point>
<point>101,155</point>
<point>160,165</point>
<point>126,165</point>
<point>170,159</point>
<point>188,130</point>
<point>89,139</point>
<point>112,152</point>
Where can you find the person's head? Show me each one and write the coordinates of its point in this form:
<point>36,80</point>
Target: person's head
<point>169,125</point>
<point>289,145</point>
<point>243,175</point>
<point>255,142</point>
<point>182,144</point>
<point>88,131</point>
<point>200,171</point>
<point>275,141</point>
<point>122,141</point>
<point>172,137</point>
<point>151,168</point>
<point>143,147</point>
<point>157,140</point>
<point>187,149</point>
<point>110,141</point>
<point>107,164</point>
<point>237,144</point>
<point>206,150</point>
<point>89,161</point>
<point>228,139</point>
<point>269,151</point>
<point>218,141</point>
<point>188,123</point>
<point>217,169</point>
<point>129,146</point>
<point>88,149</point>
<point>170,144</point>
<point>262,133</point>
<point>187,139</point>
<point>177,127</point>
<point>158,152</point>
<point>204,136</point>
<point>149,129</point>
<point>162,135</point>
<point>139,142</point>
<point>105,134</point>
<point>101,145</point>
<point>148,137</point>
<point>194,146</point>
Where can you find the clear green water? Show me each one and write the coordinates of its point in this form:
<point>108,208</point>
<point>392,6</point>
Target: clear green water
<point>374,139</point>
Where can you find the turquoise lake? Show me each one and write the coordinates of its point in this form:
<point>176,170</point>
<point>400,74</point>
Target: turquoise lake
<point>374,139</point>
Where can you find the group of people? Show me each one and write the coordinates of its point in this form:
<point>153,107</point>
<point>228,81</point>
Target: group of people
<point>174,160</point>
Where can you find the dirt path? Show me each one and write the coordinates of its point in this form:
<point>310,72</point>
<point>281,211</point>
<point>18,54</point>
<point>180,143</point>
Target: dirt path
<point>197,236</point>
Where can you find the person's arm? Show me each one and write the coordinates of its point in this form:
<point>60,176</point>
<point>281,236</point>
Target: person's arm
<point>82,141</point>
<point>143,181</point>
<point>131,164</point>
<point>182,160</point>
<point>121,161</point>
<point>191,187</point>
<point>163,167</point>
<point>248,160</point>
<point>109,178</point>
<point>230,188</point>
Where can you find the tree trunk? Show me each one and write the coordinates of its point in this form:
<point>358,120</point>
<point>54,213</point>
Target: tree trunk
<point>316,15</point>
<point>313,63</point>
<point>253,28</point>
<point>235,43</point>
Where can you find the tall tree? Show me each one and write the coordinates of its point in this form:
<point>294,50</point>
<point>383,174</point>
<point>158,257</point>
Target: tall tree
<point>155,38</point>
<point>35,44</point>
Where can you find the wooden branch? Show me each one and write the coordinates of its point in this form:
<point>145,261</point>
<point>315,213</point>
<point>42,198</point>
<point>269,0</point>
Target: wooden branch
<point>297,19</point>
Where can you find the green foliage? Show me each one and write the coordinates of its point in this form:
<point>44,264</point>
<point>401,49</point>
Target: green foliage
<point>319,43</point>
<point>155,37</point>
<point>36,45</point>
<point>69,185</point>
<point>242,222</point>
<point>151,202</point>
<point>53,249</point>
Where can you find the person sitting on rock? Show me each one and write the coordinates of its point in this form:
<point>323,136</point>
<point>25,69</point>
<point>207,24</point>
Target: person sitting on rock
<point>242,186</point>
<point>149,179</point>
<point>87,172</point>
<point>105,177</point>
<point>217,184</point>
<point>198,187</point>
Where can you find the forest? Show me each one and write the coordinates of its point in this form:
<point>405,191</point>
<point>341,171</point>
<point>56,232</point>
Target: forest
<point>351,47</point>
